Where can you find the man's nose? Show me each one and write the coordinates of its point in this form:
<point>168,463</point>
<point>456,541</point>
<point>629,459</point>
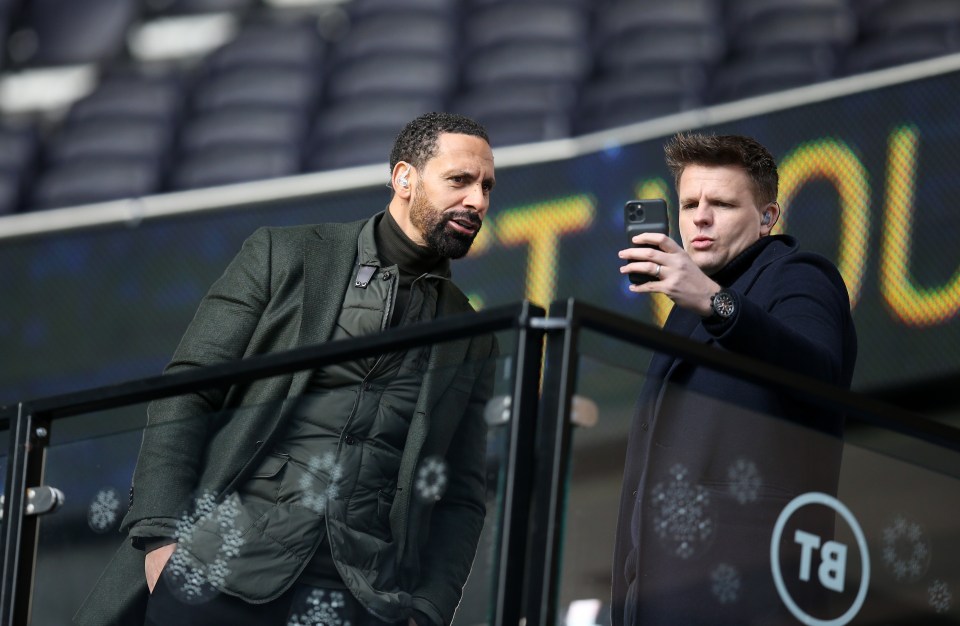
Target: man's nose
<point>703,214</point>
<point>477,199</point>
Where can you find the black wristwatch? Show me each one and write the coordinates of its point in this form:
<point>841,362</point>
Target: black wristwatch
<point>724,305</point>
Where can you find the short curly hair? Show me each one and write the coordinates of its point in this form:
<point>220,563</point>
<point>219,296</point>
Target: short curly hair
<point>716,150</point>
<point>417,142</point>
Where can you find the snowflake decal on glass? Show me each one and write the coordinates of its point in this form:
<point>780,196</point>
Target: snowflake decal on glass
<point>431,481</point>
<point>321,610</point>
<point>681,513</point>
<point>102,514</point>
<point>315,498</point>
<point>192,582</point>
<point>744,480</point>
<point>906,551</point>
<point>725,583</point>
<point>940,597</point>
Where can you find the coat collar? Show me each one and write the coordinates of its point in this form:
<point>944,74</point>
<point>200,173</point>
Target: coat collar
<point>739,274</point>
<point>329,265</point>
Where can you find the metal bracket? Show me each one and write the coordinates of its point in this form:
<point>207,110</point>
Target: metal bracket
<point>40,501</point>
<point>549,323</point>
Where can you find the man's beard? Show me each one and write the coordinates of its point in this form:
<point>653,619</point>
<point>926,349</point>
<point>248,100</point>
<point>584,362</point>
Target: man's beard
<point>432,222</point>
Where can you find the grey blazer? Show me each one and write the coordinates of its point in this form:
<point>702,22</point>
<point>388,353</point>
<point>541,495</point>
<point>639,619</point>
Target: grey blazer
<point>282,291</point>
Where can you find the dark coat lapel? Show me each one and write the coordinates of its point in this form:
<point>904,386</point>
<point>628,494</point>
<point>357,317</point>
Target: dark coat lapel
<point>328,262</point>
<point>444,357</point>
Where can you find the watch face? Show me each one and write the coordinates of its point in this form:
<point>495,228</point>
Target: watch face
<point>724,304</point>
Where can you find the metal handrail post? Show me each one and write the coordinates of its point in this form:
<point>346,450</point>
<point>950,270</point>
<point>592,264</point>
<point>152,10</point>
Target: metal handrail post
<point>28,441</point>
<point>554,434</point>
<point>519,473</point>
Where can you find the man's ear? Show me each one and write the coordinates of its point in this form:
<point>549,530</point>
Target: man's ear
<point>400,180</point>
<point>769,218</point>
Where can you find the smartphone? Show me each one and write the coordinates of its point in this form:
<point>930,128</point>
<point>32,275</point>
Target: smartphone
<point>644,216</point>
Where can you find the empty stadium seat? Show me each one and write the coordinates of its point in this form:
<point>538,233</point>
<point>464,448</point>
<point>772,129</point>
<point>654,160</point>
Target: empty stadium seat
<point>53,32</point>
<point>18,155</point>
<point>180,7</point>
<point>233,164</point>
<point>128,94</point>
<point>297,44</point>
<point>652,60</point>
<point>124,128</point>
<point>397,33</point>
<point>662,29</point>
<point>350,152</point>
<point>536,62</point>
<point>355,118</point>
<point>760,74</point>
<point>96,180</point>
<point>644,94</point>
<point>362,121</point>
<point>894,32</point>
<point>6,8</point>
<point>275,126</point>
<point>518,113</point>
<point>265,86</point>
<point>110,138</point>
<point>9,193</point>
<point>502,24</point>
<point>902,16</point>
<point>882,52</point>
<point>770,24</point>
<point>387,75</point>
<point>361,9</point>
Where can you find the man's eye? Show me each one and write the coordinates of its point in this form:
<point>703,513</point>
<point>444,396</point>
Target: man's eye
<point>456,179</point>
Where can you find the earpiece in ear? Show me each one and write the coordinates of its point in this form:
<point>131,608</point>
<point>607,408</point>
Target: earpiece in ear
<point>403,179</point>
<point>766,219</point>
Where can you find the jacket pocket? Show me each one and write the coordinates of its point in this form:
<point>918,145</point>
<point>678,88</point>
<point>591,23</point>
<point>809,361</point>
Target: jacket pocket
<point>265,482</point>
<point>384,505</point>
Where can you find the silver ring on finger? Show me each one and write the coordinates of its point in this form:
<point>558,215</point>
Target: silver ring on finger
<point>657,275</point>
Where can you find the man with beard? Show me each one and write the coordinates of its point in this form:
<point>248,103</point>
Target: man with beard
<point>700,435</point>
<point>290,498</point>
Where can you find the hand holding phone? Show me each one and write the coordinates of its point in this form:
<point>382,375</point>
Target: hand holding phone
<point>644,216</point>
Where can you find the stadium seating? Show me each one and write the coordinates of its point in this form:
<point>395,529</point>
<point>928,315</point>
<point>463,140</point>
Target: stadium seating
<point>251,107</point>
<point>6,9</point>
<point>52,32</point>
<point>17,161</point>
<point>86,182</point>
<point>180,7</point>
<point>298,89</point>
<point>778,44</point>
<point>222,165</point>
<point>524,64</point>
<point>894,32</point>
<point>130,118</point>
<point>652,59</point>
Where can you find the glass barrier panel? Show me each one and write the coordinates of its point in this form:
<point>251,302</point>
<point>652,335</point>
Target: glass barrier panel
<point>604,399</point>
<point>733,516</point>
<point>4,450</point>
<point>350,467</point>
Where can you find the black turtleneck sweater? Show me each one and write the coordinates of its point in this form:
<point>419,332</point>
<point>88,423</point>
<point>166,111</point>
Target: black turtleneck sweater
<point>412,260</point>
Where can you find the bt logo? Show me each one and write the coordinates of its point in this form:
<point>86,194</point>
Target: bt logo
<point>830,558</point>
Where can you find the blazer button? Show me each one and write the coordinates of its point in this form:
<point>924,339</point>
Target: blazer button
<point>349,440</point>
<point>644,426</point>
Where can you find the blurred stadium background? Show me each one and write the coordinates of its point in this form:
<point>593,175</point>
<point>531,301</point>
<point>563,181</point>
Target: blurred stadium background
<point>107,99</point>
<point>142,140</point>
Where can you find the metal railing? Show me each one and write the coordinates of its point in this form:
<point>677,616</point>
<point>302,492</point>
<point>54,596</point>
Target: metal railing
<point>538,458</point>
